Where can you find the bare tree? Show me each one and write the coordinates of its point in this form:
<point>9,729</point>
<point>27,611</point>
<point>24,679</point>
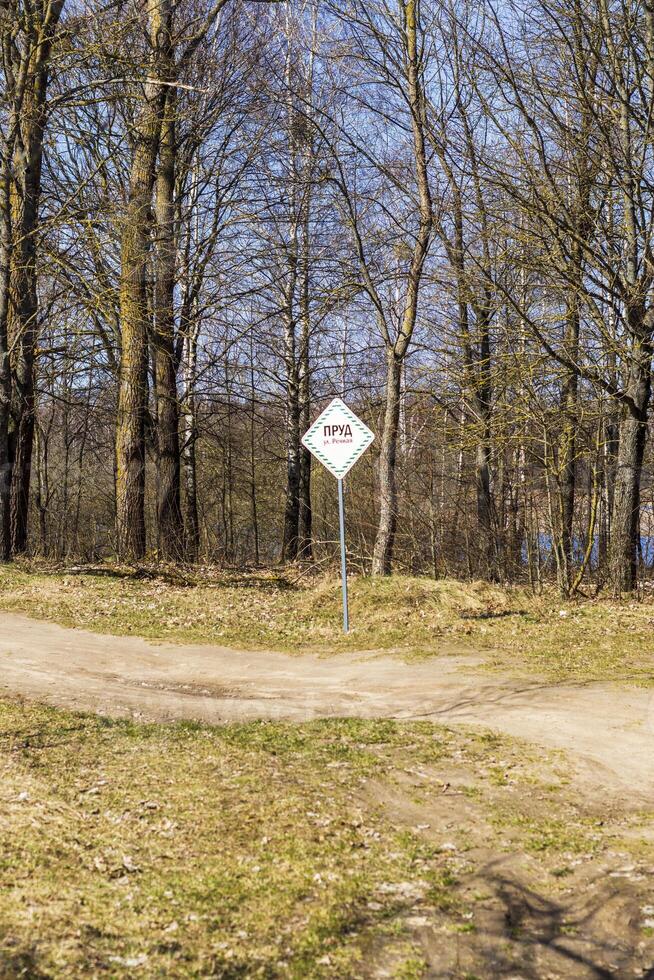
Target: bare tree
<point>389,44</point>
<point>27,34</point>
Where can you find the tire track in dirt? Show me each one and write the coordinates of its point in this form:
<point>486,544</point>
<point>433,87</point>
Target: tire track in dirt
<point>608,730</point>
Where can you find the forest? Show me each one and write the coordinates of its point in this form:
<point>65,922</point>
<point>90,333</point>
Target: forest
<point>217,215</point>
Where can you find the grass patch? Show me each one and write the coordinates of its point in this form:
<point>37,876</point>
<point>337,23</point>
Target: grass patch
<point>414,617</point>
<point>191,851</point>
<point>262,850</point>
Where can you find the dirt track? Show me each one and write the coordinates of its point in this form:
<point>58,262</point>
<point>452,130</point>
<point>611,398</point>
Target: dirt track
<point>608,730</point>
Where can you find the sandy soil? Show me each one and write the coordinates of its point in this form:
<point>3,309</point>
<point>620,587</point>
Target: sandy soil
<point>608,730</point>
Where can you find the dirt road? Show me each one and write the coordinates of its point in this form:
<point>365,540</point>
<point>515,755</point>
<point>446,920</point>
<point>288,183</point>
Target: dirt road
<point>608,730</point>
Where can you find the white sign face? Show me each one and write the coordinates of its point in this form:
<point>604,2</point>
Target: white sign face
<point>337,438</point>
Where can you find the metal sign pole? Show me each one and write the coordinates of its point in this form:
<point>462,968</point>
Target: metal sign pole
<point>337,439</point>
<point>341,516</point>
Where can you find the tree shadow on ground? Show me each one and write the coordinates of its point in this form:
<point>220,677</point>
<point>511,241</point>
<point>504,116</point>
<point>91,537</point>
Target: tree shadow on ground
<point>486,614</point>
<point>180,575</point>
<point>520,932</point>
<point>22,963</point>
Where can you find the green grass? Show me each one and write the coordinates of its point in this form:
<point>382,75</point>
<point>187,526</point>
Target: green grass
<point>189,851</point>
<point>414,617</point>
<point>268,849</point>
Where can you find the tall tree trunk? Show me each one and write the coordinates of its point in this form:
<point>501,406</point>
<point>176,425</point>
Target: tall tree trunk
<point>579,181</point>
<point>396,349</point>
<point>568,449</point>
<point>292,507</point>
<point>305,547</point>
<point>477,364</point>
<point>190,434</point>
<point>253,458</point>
<point>611,442</point>
<point>624,544</point>
<point>305,530</point>
<point>22,338</point>
<point>625,519</point>
<point>5,456</point>
<point>382,558</point>
<point>485,510</point>
<point>477,383</point>
<point>23,303</point>
<point>27,125</point>
<point>482,398</point>
<point>135,244</point>
<point>228,473</point>
<point>5,370</point>
<point>170,533</point>
<point>290,540</point>
<point>305,544</point>
<point>41,447</point>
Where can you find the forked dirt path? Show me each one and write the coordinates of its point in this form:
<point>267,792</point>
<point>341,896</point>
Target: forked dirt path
<point>608,730</point>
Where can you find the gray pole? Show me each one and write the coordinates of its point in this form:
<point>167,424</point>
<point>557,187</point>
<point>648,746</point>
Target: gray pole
<point>341,516</point>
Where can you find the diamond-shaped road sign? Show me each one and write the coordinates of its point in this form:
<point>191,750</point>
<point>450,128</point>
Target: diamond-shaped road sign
<point>337,438</point>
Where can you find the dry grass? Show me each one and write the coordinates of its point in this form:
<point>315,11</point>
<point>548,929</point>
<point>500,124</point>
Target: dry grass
<point>186,851</point>
<point>336,849</point>
<point>414,616</point>
<point>191,851</point>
